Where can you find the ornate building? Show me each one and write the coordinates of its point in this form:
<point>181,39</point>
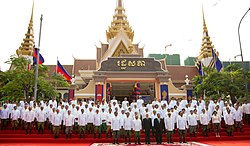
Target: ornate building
<point>27,46</point>
<point>120,68</point>
<point>205,56</point>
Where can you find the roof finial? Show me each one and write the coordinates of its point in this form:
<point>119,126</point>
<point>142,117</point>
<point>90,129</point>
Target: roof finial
<point>119,3</point>
<point>26,48</point>
<point>204,22</point>
<point>207,46</point>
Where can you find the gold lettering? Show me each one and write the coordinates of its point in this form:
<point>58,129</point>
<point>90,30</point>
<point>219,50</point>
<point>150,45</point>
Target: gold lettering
<point>118,63</point>
<point>131,63</point>
<point>124,62</point>
<point>140,63</point>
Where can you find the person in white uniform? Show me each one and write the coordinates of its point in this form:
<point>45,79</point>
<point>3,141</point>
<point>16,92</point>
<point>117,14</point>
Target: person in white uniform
<point>115,126</point>
<point>41,118</point>
<point>137,126</point>
<point>15,115</point>
<point>57,121</point>
<point>169,125</point>
<point>68,123</point>
<point>29,119</point>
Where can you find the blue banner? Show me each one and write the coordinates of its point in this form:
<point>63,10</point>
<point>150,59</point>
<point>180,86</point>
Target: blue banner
<point>164,92</point>
<point>189,93</point>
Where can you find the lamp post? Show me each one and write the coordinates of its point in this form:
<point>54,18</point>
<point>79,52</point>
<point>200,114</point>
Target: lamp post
<point>242,61</point>
<point>165,56</point>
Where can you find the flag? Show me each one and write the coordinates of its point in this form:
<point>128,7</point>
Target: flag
<point>109,86</point>
<point>35,53</point>
<point>137,88</point>
<point>199,66</point>
<point>71,95</point>
<point>60,69</point>
<point>217,62</point>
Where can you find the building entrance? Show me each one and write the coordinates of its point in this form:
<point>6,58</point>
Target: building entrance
<point>128,89</point>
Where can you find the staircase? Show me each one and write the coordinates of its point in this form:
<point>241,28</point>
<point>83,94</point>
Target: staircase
<point>19,136</point>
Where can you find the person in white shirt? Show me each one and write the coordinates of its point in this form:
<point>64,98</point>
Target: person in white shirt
<point>53,102</point>
<point>114,100</point>
<point>216,120</point>
<point>57,120</point>
<point>115,126</point>
<point>97,124</point>
<point>4,117</point>
<point>246,110</point>
<point>169,125</point>
<point>192,122</point>
<point>182,126</point>
<point>15,115</point>
<point>82,121</point>
<point>139,101</point>
<point>90,120</point>
<point>238,118</point>
<point>204,120</point>
<point>229,121</point>
<point>23,113</point>
<point>68,123</point>
<point>128,127</point>
<point>110,115</point>
<point>137,126</point>
<point>125,103</point>
<point>29,119</point>
<point>104,120</point>
<point>41,118</point>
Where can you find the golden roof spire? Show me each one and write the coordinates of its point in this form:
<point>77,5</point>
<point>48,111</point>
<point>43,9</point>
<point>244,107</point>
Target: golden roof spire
<point>26,48</point>
<point>206,47</point>
<point>119,22</point>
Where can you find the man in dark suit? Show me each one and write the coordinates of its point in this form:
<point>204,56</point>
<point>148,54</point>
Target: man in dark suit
<point>147,124</point>
<point>159,127</point>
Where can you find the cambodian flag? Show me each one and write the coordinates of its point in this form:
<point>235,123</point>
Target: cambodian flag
<point>137,88</point>
<point>41,59</point>
<point>60,69</point>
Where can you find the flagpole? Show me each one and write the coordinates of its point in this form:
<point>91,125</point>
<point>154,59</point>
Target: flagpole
<point>37,59</point>
<point>56,72</point>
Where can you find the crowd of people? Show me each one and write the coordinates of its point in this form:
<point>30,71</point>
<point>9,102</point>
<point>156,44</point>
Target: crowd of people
<point>118,120</point>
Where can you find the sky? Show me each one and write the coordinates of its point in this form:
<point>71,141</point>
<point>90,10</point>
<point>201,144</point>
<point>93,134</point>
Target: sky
<point>73,28</point>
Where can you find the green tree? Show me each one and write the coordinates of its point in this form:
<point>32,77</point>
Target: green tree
<point>18,82</point>
<point>218,84</point>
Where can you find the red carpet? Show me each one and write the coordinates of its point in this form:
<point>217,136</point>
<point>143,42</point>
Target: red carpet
<point>19,136</point>
<point>228,143</point>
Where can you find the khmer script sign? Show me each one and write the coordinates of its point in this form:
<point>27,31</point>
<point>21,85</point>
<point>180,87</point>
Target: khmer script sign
<point>130,64</point>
